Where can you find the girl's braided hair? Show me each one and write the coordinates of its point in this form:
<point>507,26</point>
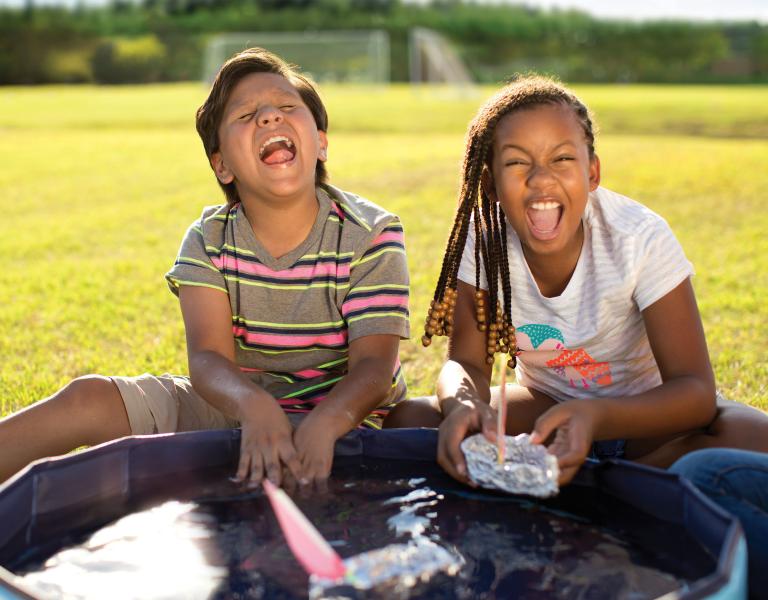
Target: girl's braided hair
<point>476,209</point>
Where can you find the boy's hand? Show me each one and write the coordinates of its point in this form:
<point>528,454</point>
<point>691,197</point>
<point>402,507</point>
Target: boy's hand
<point>266,446</point>
<point>462,421</point>
<point>573,423</point>
<point>314,441</point>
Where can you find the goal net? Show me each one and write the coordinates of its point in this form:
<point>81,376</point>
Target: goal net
<point>434,60</point>
<point>343,56</point>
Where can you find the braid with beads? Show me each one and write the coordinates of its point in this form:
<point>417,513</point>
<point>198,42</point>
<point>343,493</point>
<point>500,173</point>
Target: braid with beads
<point>477,210</point>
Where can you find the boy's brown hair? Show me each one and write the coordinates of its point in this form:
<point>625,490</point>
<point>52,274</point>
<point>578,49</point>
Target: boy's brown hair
<point>254,60</point>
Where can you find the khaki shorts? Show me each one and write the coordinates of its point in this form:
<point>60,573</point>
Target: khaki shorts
<point>167,404</point>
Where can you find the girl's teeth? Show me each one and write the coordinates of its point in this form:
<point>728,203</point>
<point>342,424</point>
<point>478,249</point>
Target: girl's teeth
<point>544,205</point>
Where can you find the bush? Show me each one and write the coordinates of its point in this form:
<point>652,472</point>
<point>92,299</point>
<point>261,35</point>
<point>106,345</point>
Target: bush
<point>68,66</point>
<point>129,60</point>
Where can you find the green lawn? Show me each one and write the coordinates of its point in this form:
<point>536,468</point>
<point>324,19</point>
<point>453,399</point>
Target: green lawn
<point>97,186</point>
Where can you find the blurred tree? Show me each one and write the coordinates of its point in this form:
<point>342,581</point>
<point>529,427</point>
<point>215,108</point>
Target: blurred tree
<point>494,40</point>
<point>759,50</point>
<point>285,4</point>
<point>135,60</point>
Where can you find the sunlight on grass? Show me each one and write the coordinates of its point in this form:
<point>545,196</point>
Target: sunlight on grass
<point>99,185</point>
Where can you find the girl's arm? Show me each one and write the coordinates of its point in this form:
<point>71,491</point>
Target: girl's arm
<point>366,385</point>
<point>683,402</point>
<point>266,445</point>
<point>463,387</point>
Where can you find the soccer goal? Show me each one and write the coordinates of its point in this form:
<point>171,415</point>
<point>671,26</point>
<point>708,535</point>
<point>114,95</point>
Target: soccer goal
<point>343,56</point>
<point>434,60</point>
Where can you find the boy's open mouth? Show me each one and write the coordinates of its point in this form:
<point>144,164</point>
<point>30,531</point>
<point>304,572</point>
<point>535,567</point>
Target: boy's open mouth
<point>544,217</point>
<point>277,150</point>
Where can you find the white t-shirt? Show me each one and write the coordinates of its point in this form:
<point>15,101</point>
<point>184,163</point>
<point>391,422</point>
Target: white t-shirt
<point>590,341</point>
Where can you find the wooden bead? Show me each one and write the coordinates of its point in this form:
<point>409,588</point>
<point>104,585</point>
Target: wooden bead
<point>448,330</point>
<point>504,349</point>
<point>478,294</point>
<point>426,340</point>
<point>481,326</point>
<point>430,330</point>
<point>512,362</point>
<point>489,360</point>
<point>433,322</point>
<point>449,318</point>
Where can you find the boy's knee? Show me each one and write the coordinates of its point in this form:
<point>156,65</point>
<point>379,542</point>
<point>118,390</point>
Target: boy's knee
<point>88,390</point>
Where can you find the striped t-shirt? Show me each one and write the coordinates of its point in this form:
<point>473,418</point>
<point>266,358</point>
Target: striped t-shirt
<point>294,317</point>
<point>591,340</point>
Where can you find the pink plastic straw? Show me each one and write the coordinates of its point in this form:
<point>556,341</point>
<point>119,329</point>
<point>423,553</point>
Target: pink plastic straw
<point>308,546</point>
<point>501,426</point>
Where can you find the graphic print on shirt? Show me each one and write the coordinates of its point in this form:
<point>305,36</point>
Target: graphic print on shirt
<point>544,346</point>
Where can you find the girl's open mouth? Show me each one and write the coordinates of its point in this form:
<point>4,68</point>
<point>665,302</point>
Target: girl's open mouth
<point>544,219</point>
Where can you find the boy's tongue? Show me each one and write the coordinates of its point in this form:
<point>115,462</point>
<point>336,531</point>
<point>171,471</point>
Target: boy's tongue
<point>544,220</point>
<point>277,153</point>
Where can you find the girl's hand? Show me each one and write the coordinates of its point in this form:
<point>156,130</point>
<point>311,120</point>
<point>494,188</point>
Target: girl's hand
<point>314,443</point>
<point>573,424</point>
<point>266,446</point>
<point>460,423</point>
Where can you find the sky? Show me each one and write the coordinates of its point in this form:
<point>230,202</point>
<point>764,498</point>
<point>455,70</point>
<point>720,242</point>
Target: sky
<point>730,10</point>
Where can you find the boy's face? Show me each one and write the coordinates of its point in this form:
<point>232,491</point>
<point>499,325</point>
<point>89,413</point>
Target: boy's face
<point>542,176</point>
<point>269,144</point>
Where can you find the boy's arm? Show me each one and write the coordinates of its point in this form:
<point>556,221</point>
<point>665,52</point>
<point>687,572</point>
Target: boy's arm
<point>375,311</point>
<point>463,387</point>
<point>266,445</point>
<point>365,386</point>
<point>683,402</point>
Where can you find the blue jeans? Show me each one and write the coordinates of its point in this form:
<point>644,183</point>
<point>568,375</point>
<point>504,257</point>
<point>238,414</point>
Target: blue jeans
<point>737,480</point>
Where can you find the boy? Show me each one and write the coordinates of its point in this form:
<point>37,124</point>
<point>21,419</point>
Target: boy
<point>294,297</point>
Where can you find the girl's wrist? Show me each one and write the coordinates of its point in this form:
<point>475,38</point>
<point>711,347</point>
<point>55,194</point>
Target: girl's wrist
<point>599,413</point>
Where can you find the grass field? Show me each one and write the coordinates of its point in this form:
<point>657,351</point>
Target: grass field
<point>97,186</point>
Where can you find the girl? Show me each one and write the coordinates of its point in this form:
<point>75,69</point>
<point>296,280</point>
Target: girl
<point>588,291</point>
<point>294,296</point>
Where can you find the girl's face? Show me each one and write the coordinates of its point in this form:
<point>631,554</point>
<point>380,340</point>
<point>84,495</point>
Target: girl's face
<point>542,174</point>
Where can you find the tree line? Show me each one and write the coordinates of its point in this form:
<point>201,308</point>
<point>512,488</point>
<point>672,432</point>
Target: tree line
<point>163,40</point>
